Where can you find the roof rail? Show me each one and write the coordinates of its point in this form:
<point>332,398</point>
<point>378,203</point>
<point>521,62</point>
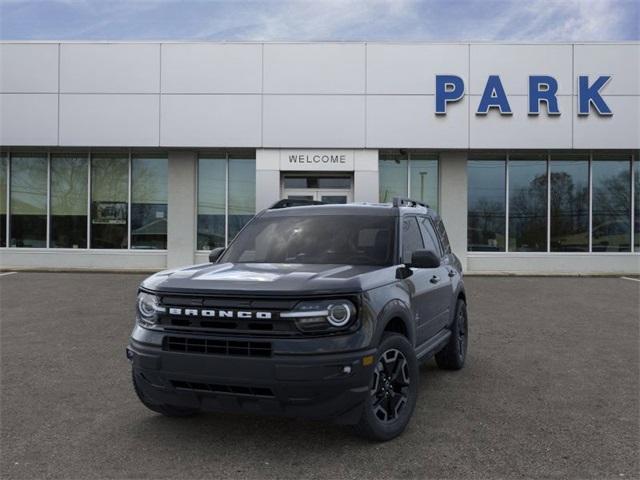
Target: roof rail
<point>294,202</point>
<point>407,202</point>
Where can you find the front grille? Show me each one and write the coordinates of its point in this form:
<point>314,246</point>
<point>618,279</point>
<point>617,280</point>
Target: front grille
<point>274,326</point>
<point>230,389</point>
<point>210,346</point>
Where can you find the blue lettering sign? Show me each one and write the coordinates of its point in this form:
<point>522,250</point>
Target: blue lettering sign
<point>449,88</point>
<point>494,97</point>
<point>543,88</point>
<point>590,95</point>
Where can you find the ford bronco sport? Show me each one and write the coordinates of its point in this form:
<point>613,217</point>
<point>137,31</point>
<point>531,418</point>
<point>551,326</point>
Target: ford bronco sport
<point>319,311</point>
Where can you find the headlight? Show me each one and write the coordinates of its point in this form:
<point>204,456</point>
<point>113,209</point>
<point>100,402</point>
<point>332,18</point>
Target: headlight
<point>148,309</point>
<point>323,315</point>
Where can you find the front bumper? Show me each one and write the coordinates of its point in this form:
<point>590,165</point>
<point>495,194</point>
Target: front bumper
<point>311,385</point>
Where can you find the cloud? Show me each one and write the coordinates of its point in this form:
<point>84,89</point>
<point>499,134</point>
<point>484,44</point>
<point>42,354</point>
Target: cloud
<point>331,20</point>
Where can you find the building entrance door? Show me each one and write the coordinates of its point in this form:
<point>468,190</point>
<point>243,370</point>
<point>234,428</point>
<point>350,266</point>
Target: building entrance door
<point>328,189</point>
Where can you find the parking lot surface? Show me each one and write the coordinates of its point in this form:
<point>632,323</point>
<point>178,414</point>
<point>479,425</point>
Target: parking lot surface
<point>550,390</point>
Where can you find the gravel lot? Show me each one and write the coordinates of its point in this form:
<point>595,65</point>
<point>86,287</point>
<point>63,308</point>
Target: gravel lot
<point>551,390</point>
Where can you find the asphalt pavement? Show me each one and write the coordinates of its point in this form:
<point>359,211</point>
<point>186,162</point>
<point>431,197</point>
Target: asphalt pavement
<point>550,390</point>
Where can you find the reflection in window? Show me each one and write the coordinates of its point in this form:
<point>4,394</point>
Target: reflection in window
<point>636,189</point>
<point>3,199</point>
<point>424,179</point>
<point>242,193</point>
<point>393,175</point>
<point>342,182</point>
<point>211,202</point>
<point>528,203</point>
<point>611,230</point>
<point>69,201</point>
<point>109,196</point>
<point>28,201</point>
<point>149,194</point>
<point>569,203</point>
<point>411,238</point>
<point>486,204</point>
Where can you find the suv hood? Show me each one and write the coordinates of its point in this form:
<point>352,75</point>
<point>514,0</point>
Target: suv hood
<point>270,279</point>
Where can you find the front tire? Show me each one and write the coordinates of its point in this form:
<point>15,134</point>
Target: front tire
<point>393,390</point>
<point>166,410</point>
<point>454,354</point>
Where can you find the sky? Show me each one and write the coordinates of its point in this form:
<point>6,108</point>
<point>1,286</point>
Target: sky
<point>321,20</point>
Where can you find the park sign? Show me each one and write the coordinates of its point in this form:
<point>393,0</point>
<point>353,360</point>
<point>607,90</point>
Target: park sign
<point>542,89</point>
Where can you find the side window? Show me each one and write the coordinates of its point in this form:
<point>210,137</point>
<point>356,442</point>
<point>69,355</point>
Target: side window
<point>430,238</point>
<point>411,238</point>
<point>444,239</point>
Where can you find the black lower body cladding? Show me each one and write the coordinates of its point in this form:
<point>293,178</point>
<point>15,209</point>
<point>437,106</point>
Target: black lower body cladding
<point>319,386</point>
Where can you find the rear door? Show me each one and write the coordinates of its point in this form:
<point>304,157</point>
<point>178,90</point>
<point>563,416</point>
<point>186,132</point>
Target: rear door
<point>419,284</point>
<point>442,291</point>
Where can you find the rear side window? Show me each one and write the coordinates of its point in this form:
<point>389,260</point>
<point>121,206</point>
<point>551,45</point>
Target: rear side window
<point>411,238</point>
<point>444,239</point>
<point>430,238</point>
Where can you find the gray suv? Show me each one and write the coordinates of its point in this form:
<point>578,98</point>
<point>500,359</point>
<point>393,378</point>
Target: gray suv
<point>317,311</point>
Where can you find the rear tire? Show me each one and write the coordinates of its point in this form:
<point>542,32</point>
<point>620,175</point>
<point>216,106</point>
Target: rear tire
<point>454,354</point>
<point>393,390</point>
<point>167,410</point>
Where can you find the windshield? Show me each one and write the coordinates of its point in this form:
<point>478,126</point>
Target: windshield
<point>330,239</point>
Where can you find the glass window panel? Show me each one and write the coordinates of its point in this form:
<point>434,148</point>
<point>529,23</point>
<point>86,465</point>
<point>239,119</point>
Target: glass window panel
<point>3,199</point>
<point>528,204</point>
<point>636,188</point>
<point>211,202</point>
<point>424,179</point>
<point>69,178</point>
<point>28,201</point>
<point>569,203</point>
<point>487,205</point>
<point>429,236</point>
<point>411,238</point>
<point>242,193</point>
<point>109,197</point>
<point>149,194</point>
<point>296,182</point>
<point>611,230</point>
<point>334,182</point>
<point>393,176</point>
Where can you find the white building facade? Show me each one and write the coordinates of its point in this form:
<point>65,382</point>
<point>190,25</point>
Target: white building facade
<point>143,156</point>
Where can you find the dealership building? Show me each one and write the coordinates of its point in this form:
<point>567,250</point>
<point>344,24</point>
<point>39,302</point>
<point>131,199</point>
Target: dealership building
<point>143,156</point>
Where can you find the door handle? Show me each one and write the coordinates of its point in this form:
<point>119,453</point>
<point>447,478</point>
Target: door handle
<point>435,279</point>
<point>452,273</point>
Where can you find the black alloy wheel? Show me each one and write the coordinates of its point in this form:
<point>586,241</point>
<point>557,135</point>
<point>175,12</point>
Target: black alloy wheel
<point>462,333</point>
<point>454,353</point>
<point>390,389</point>
<point>393,390</point>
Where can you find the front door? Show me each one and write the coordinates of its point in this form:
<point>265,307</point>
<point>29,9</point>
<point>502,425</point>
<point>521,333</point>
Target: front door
<point>327,189</point>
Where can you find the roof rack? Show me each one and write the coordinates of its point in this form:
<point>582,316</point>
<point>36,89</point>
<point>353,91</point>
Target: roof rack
<point>294,202</point>
<point>407,202</point>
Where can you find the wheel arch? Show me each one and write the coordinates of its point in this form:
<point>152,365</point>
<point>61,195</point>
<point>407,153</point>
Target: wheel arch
<point>395,317</point>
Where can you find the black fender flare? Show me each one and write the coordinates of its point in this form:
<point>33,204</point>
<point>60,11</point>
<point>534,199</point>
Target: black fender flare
<point>395,309</point>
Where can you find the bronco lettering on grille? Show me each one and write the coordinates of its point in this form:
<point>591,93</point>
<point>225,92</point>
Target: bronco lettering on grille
<point>194,312</point>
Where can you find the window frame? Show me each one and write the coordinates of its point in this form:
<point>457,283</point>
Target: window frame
<point>89,153</point>
<point>408,157</point>
<point>633,159</point>
<point>226,155</point>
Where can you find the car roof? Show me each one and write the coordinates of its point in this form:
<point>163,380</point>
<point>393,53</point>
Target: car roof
<point>373,209</point>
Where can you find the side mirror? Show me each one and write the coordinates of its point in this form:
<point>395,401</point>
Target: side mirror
<point>215,254</point>
<point>424,259</point>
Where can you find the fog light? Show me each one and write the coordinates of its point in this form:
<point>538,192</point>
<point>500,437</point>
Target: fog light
<point>368,360</point>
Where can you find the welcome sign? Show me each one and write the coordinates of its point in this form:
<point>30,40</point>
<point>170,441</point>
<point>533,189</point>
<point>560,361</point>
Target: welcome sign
<point>317,160</point>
